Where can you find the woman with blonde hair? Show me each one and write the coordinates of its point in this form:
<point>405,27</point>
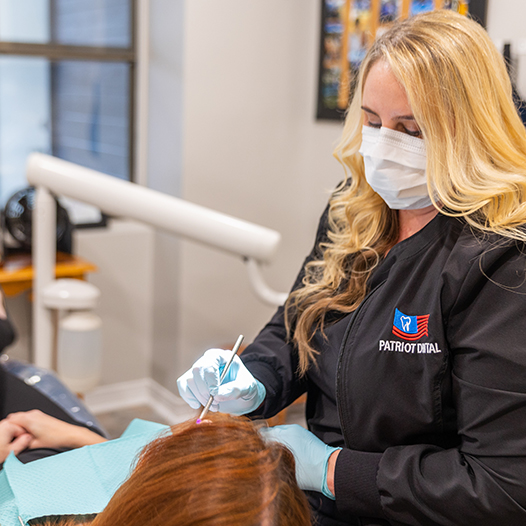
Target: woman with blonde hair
<point>407,323</point>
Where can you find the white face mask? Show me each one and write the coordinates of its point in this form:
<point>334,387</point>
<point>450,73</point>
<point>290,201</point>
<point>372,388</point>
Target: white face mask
<point>395,167</point>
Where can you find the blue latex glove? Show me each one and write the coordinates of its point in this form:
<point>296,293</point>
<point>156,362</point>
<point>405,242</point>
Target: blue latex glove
<point>311,455</point>
<point>240,392</point>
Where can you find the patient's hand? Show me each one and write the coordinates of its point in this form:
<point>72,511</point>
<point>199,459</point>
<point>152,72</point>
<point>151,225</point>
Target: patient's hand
<point>12,438</point>
<point>47,431</point>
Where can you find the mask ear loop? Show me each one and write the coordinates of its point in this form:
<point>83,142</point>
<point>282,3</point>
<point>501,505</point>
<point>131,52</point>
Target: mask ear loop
<point>21,521</point>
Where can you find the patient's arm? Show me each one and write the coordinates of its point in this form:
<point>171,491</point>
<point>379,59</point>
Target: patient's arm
<point>50,432</point>
<point>12,438</point>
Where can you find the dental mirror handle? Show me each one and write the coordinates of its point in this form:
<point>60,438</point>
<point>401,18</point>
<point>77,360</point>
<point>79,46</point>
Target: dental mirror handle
<point>235,350</point>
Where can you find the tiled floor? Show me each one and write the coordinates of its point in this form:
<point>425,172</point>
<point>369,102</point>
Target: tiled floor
<point>116,422</point>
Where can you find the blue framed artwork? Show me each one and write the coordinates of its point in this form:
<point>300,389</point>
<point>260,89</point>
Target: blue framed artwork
<point>348,27</point>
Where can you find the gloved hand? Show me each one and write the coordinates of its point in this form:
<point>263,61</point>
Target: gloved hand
<point>239,393</point>
<point>310,453</point>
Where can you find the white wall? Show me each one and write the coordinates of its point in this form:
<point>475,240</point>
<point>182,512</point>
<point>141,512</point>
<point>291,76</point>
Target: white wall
<point>506,24</point>
<point>165,165</point>
<point>505,19</point>
<point>252,148</point>
<point>124,254</point>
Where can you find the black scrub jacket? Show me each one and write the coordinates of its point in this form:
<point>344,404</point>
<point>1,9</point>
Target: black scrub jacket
<point>424,386</point>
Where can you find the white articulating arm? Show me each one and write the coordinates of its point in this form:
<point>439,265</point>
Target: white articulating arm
<point>124,199</point>
<point>265,293</point>
<point>116,197</point>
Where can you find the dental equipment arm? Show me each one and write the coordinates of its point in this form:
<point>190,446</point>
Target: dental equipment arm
<point>255,244</point>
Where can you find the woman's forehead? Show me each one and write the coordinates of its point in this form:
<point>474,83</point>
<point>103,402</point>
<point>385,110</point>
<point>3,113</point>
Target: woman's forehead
<point>383,93</point>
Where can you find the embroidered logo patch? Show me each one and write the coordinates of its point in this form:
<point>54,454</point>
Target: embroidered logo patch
<point>410,328</point>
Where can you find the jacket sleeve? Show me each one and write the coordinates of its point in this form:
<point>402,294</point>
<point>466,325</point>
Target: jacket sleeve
<point>482,481</point>
<point>272,358</point>
<point>7,333</point>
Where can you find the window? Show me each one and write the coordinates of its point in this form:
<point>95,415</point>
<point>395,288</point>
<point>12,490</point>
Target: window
<point>66,85</point>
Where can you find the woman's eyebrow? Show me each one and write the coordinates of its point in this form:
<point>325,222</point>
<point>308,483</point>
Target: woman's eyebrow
<point>405,118</point>
<point>398,118</point>
<point>365,108</point>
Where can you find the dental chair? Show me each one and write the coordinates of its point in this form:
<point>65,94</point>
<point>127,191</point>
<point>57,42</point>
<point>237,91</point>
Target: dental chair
<point>48,384</point>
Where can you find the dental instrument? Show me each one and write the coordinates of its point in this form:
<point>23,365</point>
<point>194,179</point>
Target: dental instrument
<point>235,349</point>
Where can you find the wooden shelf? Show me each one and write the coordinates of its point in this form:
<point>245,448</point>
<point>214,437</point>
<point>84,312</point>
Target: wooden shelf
<point>16,272</point>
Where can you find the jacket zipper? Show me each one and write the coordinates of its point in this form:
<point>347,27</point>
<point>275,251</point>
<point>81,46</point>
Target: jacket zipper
<point>340,355</point>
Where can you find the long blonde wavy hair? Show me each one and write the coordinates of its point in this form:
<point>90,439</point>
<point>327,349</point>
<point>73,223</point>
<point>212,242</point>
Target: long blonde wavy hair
<point>461,96</point>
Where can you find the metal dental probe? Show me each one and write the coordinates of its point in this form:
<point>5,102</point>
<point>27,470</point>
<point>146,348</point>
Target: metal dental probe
<point>235,349</point>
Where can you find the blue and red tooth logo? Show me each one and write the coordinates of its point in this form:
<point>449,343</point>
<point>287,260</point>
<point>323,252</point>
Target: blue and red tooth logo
<point>410,328</point>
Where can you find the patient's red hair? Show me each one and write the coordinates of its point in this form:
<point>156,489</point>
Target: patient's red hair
<point>220,472</point>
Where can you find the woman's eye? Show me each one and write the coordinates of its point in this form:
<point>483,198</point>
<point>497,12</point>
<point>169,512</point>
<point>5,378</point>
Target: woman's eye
<point>373,124</point>
<point>417,133</point>
<point>413,133</point>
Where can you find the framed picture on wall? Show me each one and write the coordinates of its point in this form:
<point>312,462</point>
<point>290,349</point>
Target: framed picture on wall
<point>348,28</point>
